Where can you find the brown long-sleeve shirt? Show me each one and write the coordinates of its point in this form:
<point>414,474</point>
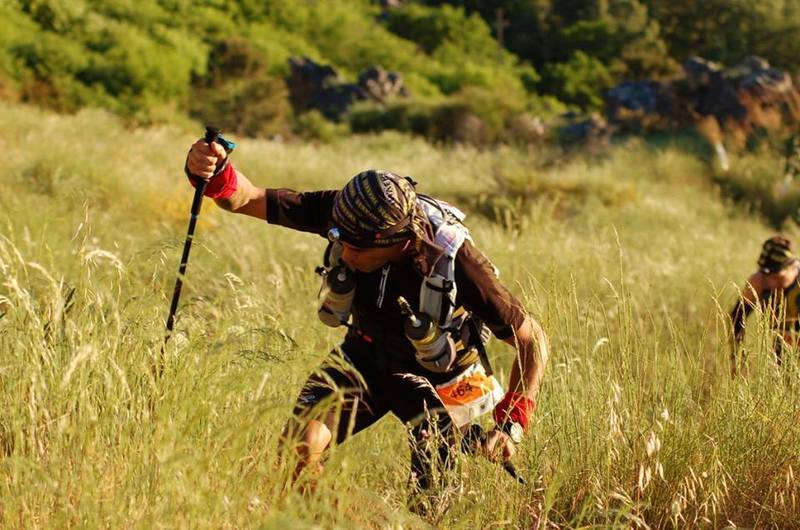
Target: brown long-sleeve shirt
<point>375,310</point>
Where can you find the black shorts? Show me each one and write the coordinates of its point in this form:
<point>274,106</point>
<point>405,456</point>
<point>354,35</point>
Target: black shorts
<point>359,395</point>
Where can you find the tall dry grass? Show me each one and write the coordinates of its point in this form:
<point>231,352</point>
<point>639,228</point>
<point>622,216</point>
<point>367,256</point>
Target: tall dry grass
<point>629,260</point>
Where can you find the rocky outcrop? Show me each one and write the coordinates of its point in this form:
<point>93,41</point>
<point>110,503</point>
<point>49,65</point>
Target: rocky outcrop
<point>592,130</point>
<point>380,85</point>
<point>747,95</point>
<point>641,104</point>
<point>315,86</point>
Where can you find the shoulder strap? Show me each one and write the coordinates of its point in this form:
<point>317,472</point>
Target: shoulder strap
<point>481,347</point>
<point>332,255</point>
<point>439,212</point>
<point>438,291</point>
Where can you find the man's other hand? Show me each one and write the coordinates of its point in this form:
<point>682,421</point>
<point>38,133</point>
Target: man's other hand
<point>499,447</point>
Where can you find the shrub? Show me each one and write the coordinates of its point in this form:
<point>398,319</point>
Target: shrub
<point>456,122</point>
<point>430,28</point>
<point>458,119</point>
<point>49,66</point>
<point>463,50</point>
<point>52,54</point>
<point>276,45</point>
<point>234,57</point>
<point>313,125</point>
<point>452,73</point>
<point>330,27</point>
<point>758,183</point>
<point>492,107</point>
<point>139,13</point>
<point>142,69</point>
<point>411,117</point>
<point>55,15</point>
<point>246,107</point>
<point>16,29</point>
<point>581,81</point>
<point>474,115</point>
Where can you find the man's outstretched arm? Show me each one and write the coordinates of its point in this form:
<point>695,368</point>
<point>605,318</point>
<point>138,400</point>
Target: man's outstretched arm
<point>748,298</point>
<point>247,199</point>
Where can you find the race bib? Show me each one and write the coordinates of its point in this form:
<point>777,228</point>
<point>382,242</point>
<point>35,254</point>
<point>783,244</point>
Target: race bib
<point>471,394</point>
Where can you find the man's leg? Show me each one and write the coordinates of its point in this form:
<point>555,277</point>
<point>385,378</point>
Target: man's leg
<point>315,438</point>
<point>416,403</point>
<point>333,404</point>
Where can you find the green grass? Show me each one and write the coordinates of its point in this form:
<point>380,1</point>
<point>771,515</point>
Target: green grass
<point>629,261</point>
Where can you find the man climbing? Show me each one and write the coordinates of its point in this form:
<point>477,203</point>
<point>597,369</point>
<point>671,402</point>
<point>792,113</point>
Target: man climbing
<point>416,296</point>
<point>775,289</point>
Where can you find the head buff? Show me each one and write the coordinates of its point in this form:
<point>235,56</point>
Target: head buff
<point>377,208</point>
<point>775,255</point>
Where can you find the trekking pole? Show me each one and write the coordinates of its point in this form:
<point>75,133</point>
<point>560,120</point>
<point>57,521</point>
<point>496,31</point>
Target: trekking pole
<point>212,134</point>
<point>475,435</point>
<point>511,470</point>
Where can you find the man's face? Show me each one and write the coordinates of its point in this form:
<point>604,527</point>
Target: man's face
<point>371,259</point>
<point>782,278</point>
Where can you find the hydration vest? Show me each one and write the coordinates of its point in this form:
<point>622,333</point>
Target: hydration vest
<point>438,289</point>
<point>786,303</point>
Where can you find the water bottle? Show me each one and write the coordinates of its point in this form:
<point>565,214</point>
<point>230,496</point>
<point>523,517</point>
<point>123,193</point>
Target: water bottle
<point>336,296</point>
<point>435,348</point>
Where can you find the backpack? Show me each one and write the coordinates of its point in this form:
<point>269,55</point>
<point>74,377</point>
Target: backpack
<point>438,289</point>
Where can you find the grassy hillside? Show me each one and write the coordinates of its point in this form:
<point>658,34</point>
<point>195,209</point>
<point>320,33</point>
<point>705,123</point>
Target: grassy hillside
<point>626,259</point>
<point>476,71</point>
<point>170,61</point>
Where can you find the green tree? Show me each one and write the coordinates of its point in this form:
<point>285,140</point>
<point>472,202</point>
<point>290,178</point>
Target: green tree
<point>617,39</point>
<point>726,31</point>
<point>581,81</point>
<point>622,35</point>
<point>431,28</point>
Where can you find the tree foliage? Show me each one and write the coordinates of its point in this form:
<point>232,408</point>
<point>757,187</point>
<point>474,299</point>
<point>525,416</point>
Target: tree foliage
<point>139,56</point>
<point>726,31</point>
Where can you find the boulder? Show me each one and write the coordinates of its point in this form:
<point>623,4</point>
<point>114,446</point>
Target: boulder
<point>707,91</point>
<point>315,86</point>
<point>381,85</point>
<point>525,128</point>
<point>592,130</point>
<point>756,77</point>
<point>640,104</point>
<point>700,72</point>
<point>747,95</point>
<point>458,124</point>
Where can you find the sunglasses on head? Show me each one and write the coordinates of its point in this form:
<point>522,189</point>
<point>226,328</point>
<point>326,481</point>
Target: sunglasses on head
<point>335,234</point>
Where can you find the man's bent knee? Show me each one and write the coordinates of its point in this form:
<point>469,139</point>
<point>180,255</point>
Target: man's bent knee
<point>309,442</point>
<point>316,438</point>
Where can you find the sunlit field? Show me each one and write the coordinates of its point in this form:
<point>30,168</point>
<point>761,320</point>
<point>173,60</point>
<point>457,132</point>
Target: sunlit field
<point>629,259</point>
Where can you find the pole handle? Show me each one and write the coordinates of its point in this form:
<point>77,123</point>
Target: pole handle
<point>212,133</point>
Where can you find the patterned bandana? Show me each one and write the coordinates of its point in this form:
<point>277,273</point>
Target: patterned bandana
<point>377,209</point>
<point>775,255</point>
